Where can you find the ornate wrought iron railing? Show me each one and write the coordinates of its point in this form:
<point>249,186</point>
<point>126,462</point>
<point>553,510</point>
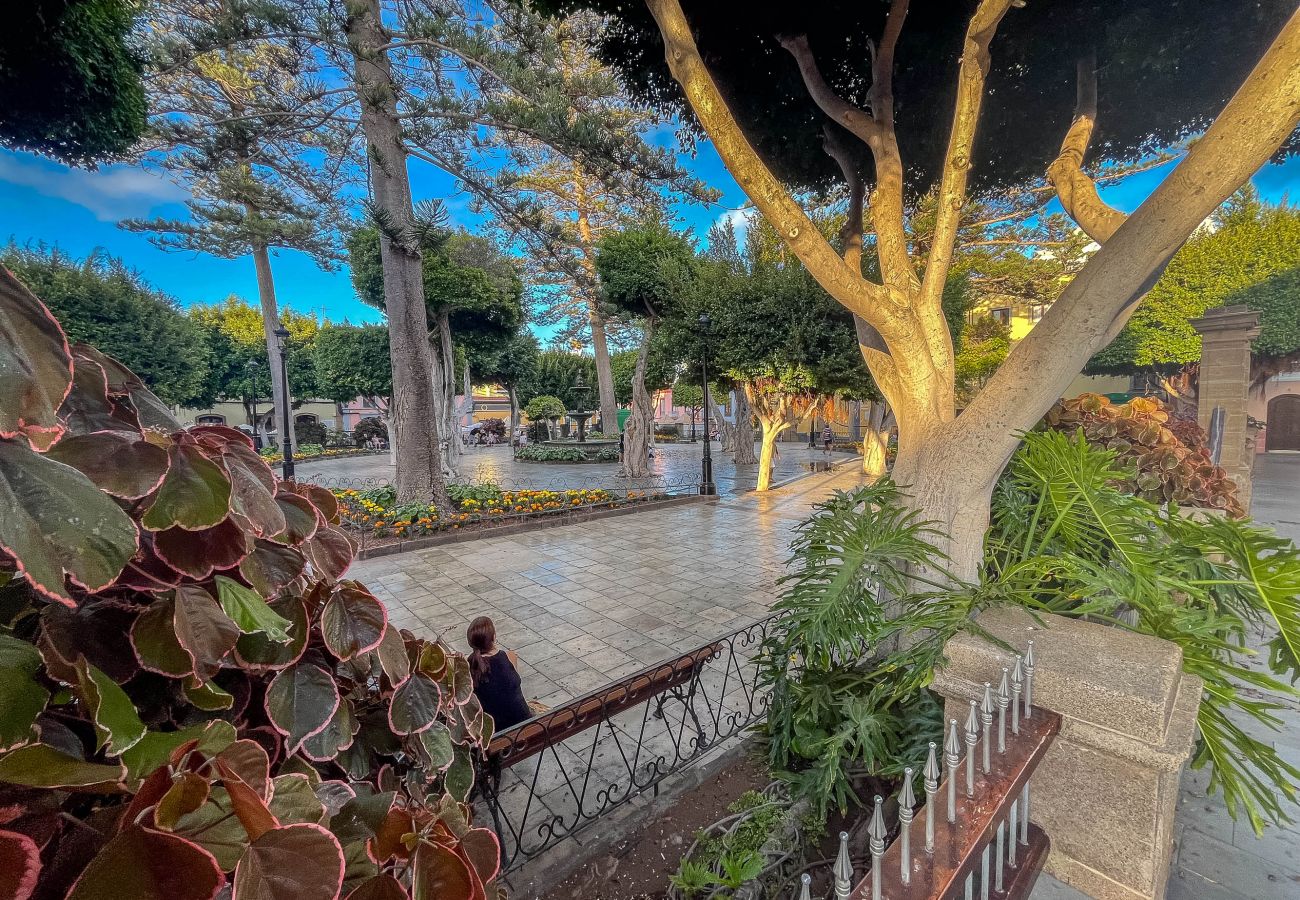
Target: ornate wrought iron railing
<point>973,836</point>
<point>548,778</point>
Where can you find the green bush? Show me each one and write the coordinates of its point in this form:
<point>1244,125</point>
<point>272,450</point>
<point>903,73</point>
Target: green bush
<point>485,492</point>
<point>309,434</point>
<point>367,428</point>
<point>539,453</point>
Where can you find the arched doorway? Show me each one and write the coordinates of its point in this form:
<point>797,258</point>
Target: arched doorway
<point>1283,431</point>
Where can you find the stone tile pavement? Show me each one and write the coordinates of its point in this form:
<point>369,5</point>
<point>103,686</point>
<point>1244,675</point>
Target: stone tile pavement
<point>584,604</point>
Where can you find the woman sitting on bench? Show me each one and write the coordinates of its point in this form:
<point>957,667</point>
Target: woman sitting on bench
<point>496,682</point>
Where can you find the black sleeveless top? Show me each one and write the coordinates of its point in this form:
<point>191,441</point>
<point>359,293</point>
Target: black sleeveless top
<point>499,692</point>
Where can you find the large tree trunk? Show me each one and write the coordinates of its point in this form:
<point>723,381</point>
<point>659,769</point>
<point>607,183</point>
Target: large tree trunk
<point>604,374</point>
<point>636,433</point>
<point>772,429</point>
<point>280,397</point>
<point>726,431</point>
<point>513,394</point>
<point>415,437</point>
<point>875,441</point>
<point>743,448</point>
<point>444,376</point>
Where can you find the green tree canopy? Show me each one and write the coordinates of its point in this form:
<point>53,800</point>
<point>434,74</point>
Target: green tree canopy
<point>661,367</point>
<point>1249,253</point>
<point>645,271</point>
<point>101,302</point>
<point>544,406</point>
<point>234,332</point>
<point>352,361</point>
<point>70,79</point>
<point>555,373</point>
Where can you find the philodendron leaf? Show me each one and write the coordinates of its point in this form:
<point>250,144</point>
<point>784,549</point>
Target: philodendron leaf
<point>53,520</point>
<point>294,861</point>
<point>353,621</point>
<point>414,706</point>
<point>118,462</point>
<point>300,702</point>
<point>43,766</point>
<point>194,493</point>
<point>117,725</point>
<point>439,874</point>
<point>22,698</point>
<point>144,864</point>
<point>20,865</point>
<point>35,365</point>
<point>250,612</point>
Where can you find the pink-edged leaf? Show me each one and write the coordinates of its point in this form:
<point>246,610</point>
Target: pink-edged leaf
<point>391,653</point>
<point>54,522</point>
<point>207,696</point>
<point>330,552</point>
<point>95,631</point>
<point>439,874</point>
<point>271,566</point>
<point>117,724</point>
<point>159,748</point>
<point>125,387</point>
<point>248,759</point>
<point>146,571</point>
<point>353,621</point>
<point>295,862</point>
<point>217,438</point>
<point>153,637</point>
<point>381,887</point>
<point>88,407</point>
<point>335,737</point>
<point>35,365</point>
<point>20,865</point>
<point>249,807</point>
<point>144,864</point>
<point>300,702</point>
<point>414,705</point>
<point>200,553</point>
<point>481,847</point>
<point>118,462</point>
<point>22,696</point>
<point>187,793</point>
<point>334,795</point>
<point>43,766</point>
<point>250,611</point>
<point>462,679</point>
<point>300,516</point>
<point>437,744</point>
<point>194,494</point>
<point>215,827</point>
<point>252,489</point>
<point>203,629</point>
<point>294,800</point>
<point>258,653</point>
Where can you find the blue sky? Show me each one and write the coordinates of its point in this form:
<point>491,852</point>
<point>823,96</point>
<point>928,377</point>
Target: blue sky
<point>78,210</point>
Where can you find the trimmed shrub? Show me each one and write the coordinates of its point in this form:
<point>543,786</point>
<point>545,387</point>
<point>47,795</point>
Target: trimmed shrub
<point>367,428</point>
<point>309,433</point>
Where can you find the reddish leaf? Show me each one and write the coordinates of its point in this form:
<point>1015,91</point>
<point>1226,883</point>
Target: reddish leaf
<point>253,813</point>
<point>118,462</point>
<point>258,653</point>
<point>300,701</point>
<point>301,518</point>
<point>249,760</point>
<point>20,865</point>
<point>335,737</point>
<point>381,887</point>
<point>149,865</point>
<point>205,632</point>
<point>271,566</point>
<point>330,553</point>
<point>335,795</point>
<point>295,862</point>
<point>146,571</point>
<point>151,790</point>
<point>186,794</point>
<point>481,848</point>
<point>252,489</point>
<point>392,656</point>
<point>125,384</point>
<point>88,406</point>
<point>153,637</point>
<point>200,553</point>
<point>94,631</point>
<point>388,842</point>
<point>194,494</point>
<point>43,766</point>
<point>353,621</point>
<point>35,365</point>
<point>414,705</point>
<point>439,874</point>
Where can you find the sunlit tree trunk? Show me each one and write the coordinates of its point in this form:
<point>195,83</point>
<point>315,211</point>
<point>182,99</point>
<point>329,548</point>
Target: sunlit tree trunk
<point>875,440</point>
<point>280,398</point>
<point>742,449</point>
<point>636,431</point>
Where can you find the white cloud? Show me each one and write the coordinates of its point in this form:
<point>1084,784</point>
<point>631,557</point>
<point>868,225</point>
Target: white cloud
<point>739,219</point>
<point>111,192</point>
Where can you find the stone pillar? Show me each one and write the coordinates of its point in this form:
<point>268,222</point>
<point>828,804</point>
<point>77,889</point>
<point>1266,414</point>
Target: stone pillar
<point>1226,333</point>
<point>1106,791</point>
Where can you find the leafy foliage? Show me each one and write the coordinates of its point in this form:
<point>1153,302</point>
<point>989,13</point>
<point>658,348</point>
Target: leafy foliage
<point>1166,465</point>
<point>235,334</point>
<point>193,698</point>
<point>857,644</point>
<point>544,406</point>
<point>1067,540</point>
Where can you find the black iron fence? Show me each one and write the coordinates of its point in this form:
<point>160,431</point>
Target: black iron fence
<point>547,779</point>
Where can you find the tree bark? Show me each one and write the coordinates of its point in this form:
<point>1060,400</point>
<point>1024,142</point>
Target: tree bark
<point>445,385</point>
<point>875,442</point>
<point>772,429</point>
<point>513,394</point>
<point>743,448</point>
<point>415,438</point>
<point>636,433</point>
<point>280,397</point>
<point>604,374</point>
<point>726,431</point>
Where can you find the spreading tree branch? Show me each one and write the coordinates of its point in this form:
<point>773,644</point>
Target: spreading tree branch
<point>1077,191</point>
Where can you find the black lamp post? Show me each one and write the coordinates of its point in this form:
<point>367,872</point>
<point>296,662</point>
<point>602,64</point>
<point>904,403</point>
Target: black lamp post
<point>707,487</point>
<point>286,440</point>
<point>251,368</point>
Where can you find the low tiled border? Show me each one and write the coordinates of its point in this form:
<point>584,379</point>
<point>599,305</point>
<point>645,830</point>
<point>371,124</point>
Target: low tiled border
<point>567,518</point>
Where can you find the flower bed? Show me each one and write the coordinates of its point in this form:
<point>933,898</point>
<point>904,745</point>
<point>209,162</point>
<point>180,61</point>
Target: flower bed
<point>376,512</point>
<point>308,452</point>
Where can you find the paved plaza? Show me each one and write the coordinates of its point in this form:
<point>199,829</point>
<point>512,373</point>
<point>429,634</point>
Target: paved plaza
<point>674,465</point>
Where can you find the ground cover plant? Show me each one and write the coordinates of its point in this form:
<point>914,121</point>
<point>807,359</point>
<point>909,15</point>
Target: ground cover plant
<point>193,702</point>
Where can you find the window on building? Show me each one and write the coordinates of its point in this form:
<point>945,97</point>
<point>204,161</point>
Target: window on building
<point>305,419</point>
<point>1001,315</point>
<point>210,420</point>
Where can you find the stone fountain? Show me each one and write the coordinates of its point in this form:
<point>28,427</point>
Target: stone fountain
<point>600,450</point>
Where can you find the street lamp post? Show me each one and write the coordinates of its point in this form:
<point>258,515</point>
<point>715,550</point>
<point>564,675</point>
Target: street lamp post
<point>286,439</point>
<point>707,487</point>
<point>251,368</point>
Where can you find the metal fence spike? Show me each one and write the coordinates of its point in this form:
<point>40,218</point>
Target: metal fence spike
<point>843,870</point>
<point>931,775</point>
<point>906,803</point>
<point>986,721</point>
<point>972,738</point>
<point>805,891</point>
<point>1017,683</point>
<point>1029,680</point>
<point>1003,700</point>
<point>876,834</point>
<point>952,756</point>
